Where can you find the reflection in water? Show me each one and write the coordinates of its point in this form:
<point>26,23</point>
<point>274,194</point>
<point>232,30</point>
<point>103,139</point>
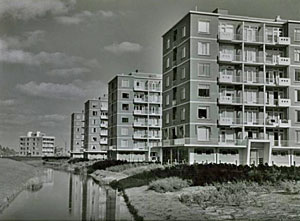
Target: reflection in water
<point>66,196</point>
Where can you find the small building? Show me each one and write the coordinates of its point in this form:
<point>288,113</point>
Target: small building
<point>36,145</point>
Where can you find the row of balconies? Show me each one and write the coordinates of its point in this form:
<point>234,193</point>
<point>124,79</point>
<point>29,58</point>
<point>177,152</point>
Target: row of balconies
<point>147,88</point>
<point>270,122</point>
<point>237,100</point>
<point>220,141</point>
<point>146,136</point>
<point>146,99</point>
<point>273,60</point>
<point>147,124</point>
<point>236,79</point>
<point>228,36</point>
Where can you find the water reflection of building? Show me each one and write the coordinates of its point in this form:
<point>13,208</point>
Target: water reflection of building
<point>89,201</point>
<point>47,177</point>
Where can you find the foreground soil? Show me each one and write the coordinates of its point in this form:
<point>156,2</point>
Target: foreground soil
<point>276,205</point>
<point>14,175</point>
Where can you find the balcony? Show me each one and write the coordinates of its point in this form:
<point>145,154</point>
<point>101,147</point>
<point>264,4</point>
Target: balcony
<point>228,121</point>
<point>284,82</point>
<point>140,100</point>
<point>104,125</point>
<point>140,136</point>
<point>229,100</point>
<point>140,146</point>
<point>256,122</point>
<point>284,40</point>
<point>284,102</point>
<point>103,132</point>
<point>105,117</point>
<point>155,112</point>
<point>140,87</point>
<point>230,142</point>
<point>140,112</point>
<point>154,99</point>
<point>283,123</point>
<point>140,124</point>
<point>229,57</point>
<point>156,136</point>
<point>229,36</point>
<point>254,80</point>
<point>103,141</point>
<point>155,89</point>
<point>283,61</point>
<point>226,78</point>
<point>280,143</point>
<point>257,101</point>
<point>254,60</point>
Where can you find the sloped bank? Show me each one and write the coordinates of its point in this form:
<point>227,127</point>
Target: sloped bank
<point>15,177</point>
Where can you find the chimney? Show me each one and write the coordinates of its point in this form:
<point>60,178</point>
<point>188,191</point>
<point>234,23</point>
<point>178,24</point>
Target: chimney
<point>220,11</point>
<point>278,18</point>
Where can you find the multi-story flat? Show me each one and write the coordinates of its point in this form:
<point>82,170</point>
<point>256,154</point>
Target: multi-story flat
<point>37,145</point>
<point>77,135</point>
<point>135,116</point>
<point>95,128</point>
<point>231,91</point>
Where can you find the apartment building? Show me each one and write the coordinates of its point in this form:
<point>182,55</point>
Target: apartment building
<point>231,91</point>
<point>37,145</point>
<point>77,135</point>
<point>135,116</point>
<point>95,128</point>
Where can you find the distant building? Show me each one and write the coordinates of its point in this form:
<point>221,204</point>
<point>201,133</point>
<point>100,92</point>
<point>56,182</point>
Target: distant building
<point>95,128</point>
<point>77,135</point>
<point>135,116</point>
<point>37,145</point>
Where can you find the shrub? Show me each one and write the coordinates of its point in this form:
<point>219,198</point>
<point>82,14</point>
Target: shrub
<point>290,187</point>
<point>102,165</point>
<point>77,160</point>
<point>170,184</point>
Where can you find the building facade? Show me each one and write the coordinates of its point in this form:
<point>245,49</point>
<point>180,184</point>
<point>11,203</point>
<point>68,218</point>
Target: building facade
<point>231,91</point>
<point>37,145</point>
<point>135,116</point>
<point>77,135</point>
<point>95,128</point>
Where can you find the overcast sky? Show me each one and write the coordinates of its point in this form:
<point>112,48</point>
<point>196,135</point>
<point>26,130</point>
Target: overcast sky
<point>56,54</point>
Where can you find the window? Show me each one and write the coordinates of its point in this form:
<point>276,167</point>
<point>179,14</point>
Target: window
<point>168,63</point>
<point>183,73</point>
<point>203,27</point>
<point>183,93</point>
<point>203,133</point>
<point>124,143</point>
<point>183,31</point>
<point>297,75</point>
<point>125,107</point>
<point>125,83</point>
<point>94,113</point>
<point>168,43</point>
<point>183,114</point>
<point>296,54</point>
<point>93,147</point>
<point>203,91</point>
<point>94,139</point>
<point>124,131</point>
<point>125,95</point>
<point>203,48</point>
<point>298,116</point>
<point>183,52</point>
<point>298,136</point>
<point>167,118</point>
<point>297,34</point>
<point>167,99</point>
<point>297,95</point>
<point>124,120</point>
<point>94,130</point>
<point>203,69</point>
<point>202,112</point>
<point>167,81</point>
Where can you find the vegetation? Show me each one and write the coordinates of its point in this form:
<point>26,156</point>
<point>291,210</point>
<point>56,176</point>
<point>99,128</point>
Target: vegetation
<point>77,160</point>
<point>201,175</point>
<point>5,151</point>
<point>122,167</point>
<point>170,184</point>
<point>102,165</point>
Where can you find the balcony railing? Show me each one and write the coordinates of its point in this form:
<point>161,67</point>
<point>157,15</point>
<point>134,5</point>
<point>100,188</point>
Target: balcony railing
<point>102,141</point>
<point>255,122</point>
<point>229,121</point>
<point>255,80</point>
<point>257,59</point>
<point>284,40</point>
<point>284,123</point>
<point>229,99</point>
<point>284,82</point>
<point>156,112</point>
<point>229,36</point>
<point>140,124</point>
<point>140,87</point>
<point>258,100</point>
<point>140,136</point>
<point>284,102</point>
<point>103,132</point>
<point>103,125</point>
<point>140,112</point>
<point>140,100</point>
<point>225,78</point>
<point>280,143</point>
<point>103,117</point>
<point>230,57</point>
<point>277,60</point>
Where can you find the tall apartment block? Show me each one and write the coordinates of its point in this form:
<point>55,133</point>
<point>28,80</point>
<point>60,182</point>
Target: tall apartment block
<point>37,145</point>
<point>135,116</point>
<point>77,135</point>
<point>95,128</point>
<point>231,91</point>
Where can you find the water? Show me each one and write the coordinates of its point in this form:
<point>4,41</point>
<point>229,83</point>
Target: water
<point>65,196</point>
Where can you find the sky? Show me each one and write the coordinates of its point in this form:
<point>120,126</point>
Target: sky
<point>56,54</point>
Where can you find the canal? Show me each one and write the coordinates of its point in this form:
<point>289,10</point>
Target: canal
<point>66,196</point>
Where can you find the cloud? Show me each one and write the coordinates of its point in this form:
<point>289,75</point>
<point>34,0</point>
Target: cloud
<point>28,9</point>
<point>8,102</point>
<point>28,39</point>
<point>123,47</point>
<point>67,72</point>
<point>83,16</point>
<point>52,117</point>
<point>50,90</point>
<point>76,89</point>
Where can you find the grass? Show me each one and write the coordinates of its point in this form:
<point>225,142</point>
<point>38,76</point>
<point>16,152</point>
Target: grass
<point>170,184</point>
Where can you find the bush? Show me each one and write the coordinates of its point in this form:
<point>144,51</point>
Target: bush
<point>290,187</point>
<point>102,165</point>
<point>77,160</point>
<point>170,184</point>
<point>122,167</point>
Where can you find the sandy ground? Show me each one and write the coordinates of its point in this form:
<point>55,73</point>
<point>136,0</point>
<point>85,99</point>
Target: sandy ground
<point>13,176</point>
<point>166,206</point>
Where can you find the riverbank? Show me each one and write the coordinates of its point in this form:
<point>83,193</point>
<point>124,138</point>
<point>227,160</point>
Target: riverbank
<point>13,179</point>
